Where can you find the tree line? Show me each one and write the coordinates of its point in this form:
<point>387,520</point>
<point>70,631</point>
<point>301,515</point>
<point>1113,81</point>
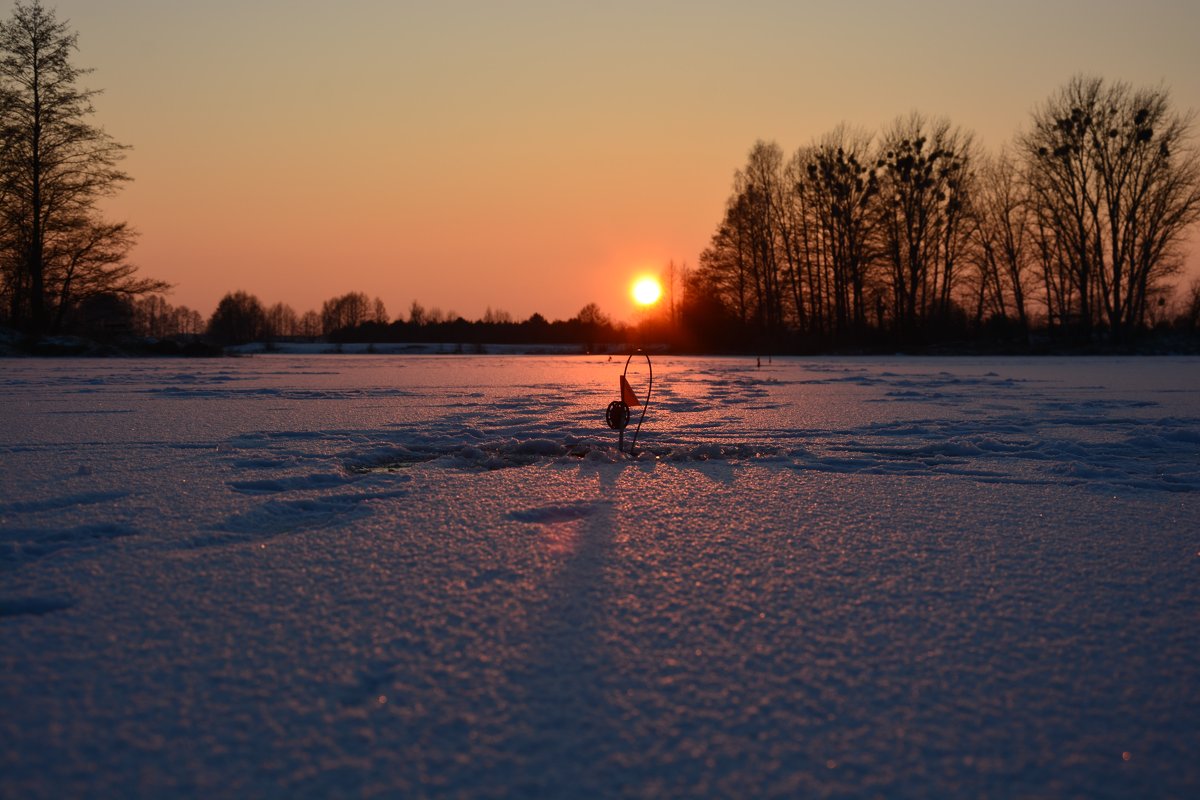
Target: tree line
<point>241,318</point>
<point>915,235</point>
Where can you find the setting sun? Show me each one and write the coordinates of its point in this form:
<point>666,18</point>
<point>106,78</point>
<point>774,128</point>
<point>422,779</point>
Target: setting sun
<point>646,291</point>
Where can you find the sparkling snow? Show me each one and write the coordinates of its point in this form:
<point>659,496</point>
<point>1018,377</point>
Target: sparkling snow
<point>362,575</point>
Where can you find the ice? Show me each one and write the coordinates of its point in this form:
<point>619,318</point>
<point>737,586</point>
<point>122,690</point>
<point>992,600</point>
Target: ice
<point>347,575</point>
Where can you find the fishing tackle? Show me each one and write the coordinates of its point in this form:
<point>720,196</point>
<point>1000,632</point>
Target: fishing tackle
<point>618,414</point>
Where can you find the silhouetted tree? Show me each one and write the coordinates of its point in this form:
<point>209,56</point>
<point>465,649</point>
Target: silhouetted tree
<point>379,312</point>
<point>536,328</point>
<point>589,326</point>
<point>348,311</point>
<point>238,319</point>
<point>187,322</point>
<point>416,314</point>
<point>837,191</point>
<point>592,315</point>
<point>924,176</point>
<point>496,316</point>
<point>104,316</point>
<point>761,194</point>
<point>55,166</point>
<point>1116,184</point>
<point>153,316</point>
<point>310,324</point>
<point>1004,239</point>
<point>744,263</point>
<point>281,321</point>
<point>707,321</point>
<point>723,269</point>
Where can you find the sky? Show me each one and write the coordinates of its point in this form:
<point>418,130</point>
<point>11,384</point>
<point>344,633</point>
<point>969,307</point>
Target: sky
<point>536,156</point>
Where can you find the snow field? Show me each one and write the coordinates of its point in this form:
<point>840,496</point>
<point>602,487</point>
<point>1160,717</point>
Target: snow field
<point>428,576</point>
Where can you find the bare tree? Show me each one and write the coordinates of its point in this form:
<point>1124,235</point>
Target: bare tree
<point>153,316</point>
<point>348,311</point>
<point>310,324</point>
<point>496,316</point>
<point>725,264</point>
<point>54,168</point>
<point>745,263</point>
<point>379,312</point>
<point>187,322</point>
<point>416,314</point>
<point>1116,185</point>
<point>281,321</point>
<point>838,190</point>
<point>759,197</point>
<point>924,171</point>
<point>1004,238</point>
<point>670,279</point>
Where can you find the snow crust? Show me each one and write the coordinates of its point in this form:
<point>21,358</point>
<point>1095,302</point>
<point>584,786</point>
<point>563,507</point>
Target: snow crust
<point>364,575</point>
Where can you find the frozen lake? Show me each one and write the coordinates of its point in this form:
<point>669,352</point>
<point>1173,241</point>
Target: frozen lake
<point>315,576</point>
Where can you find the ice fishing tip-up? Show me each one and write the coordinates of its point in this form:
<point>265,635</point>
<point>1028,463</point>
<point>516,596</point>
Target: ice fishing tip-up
<point>618,414</point>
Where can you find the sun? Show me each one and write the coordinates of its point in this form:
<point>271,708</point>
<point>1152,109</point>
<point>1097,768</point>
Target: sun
<point>646,291</point>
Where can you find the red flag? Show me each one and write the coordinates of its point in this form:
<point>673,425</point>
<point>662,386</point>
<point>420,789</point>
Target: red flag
<point>627,396</point>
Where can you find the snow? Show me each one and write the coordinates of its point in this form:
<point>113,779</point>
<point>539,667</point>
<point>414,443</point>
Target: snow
<point>295,575</point>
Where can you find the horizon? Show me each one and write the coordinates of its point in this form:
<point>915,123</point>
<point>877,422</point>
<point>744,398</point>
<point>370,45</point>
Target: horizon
<point>533,159</point>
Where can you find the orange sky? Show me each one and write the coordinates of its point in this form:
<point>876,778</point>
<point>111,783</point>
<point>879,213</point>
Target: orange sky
<point>534,156</point>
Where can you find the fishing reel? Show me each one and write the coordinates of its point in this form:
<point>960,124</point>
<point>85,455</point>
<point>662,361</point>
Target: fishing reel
<point>617,415</point>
